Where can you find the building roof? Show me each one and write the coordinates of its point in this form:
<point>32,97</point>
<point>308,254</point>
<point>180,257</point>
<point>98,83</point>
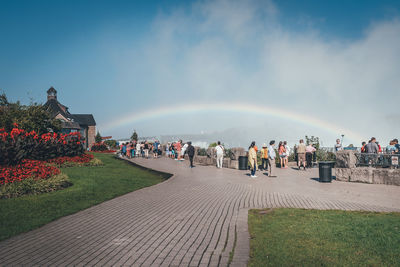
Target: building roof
<point>51,90</point>
<point>74,120</point>
<point>55,107</point>
<point>84,119</point>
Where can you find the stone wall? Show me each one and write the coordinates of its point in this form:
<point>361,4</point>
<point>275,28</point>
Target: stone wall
<point>211,158</point>
<point>347,171</point>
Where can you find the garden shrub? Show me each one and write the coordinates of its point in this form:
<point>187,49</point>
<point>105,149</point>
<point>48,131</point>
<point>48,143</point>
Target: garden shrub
<point>202,152</point>
<point>99,147</point>
<point>34,186</point>
<point>19,144</point>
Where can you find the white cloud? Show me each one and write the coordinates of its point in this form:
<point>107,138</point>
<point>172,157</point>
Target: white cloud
<point>238,50</point>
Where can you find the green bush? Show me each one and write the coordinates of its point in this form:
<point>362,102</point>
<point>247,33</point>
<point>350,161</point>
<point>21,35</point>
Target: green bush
<point>99,147</point>
<point>213,145</point>
<point>111,143</point>
<point>202,152</point>
<point>32,186</point>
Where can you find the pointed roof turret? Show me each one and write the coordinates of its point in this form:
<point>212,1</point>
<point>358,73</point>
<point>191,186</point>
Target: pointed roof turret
<point>51,93</point>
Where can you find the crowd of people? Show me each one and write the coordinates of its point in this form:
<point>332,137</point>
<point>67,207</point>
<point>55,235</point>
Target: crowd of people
<point>373,147</point>
<point>304,155</point>
<point>140,149</point>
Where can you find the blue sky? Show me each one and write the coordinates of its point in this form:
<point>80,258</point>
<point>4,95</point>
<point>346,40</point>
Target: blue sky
<point>112,58</point>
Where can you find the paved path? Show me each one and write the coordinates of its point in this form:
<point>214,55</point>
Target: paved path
<point>196,218</point>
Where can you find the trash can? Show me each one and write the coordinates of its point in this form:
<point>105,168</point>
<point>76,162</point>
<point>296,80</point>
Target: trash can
<point>325,171</point>
<point>243,161</point>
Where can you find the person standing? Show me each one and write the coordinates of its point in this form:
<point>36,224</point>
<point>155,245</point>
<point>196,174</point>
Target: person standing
<point>287,148</point>
<point>309,154</point>
<point>183,151</point>
<point>190,151</point>
<point>124,149</point>
<point>138,147</point>
<point>178,148</point>
<point>264,157</point>
<point>338,145</point>
<point>301,154</point>
<point>390,149</point>
<point>271,159</point>
<point>156,147</point>
<point>219,149</point>
<point>282,154</point>
<point>146,149</point>
<point>396,145</point>
<point>128,150</point>
<point>372,147</point>
<point>253,159</point>
<point>363,149</point>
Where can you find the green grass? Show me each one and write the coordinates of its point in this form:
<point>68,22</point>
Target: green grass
<point>296,237</point>
<point>91,185</point>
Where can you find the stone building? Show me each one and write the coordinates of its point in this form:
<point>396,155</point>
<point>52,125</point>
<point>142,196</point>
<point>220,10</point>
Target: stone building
<point>84,123</point>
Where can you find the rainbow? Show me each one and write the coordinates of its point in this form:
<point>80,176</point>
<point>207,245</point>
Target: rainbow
<point>234,108</point>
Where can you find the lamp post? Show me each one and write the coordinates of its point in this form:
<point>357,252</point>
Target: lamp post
<point>342,140</point>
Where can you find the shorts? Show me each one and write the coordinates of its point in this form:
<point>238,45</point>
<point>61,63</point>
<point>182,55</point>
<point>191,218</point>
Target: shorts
<point>301,157</point>
<point>282,156</point>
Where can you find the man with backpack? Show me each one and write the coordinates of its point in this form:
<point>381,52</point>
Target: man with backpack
<point>190,151</point>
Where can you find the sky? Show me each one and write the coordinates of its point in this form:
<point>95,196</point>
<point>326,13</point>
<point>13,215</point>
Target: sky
<point>247,70</point>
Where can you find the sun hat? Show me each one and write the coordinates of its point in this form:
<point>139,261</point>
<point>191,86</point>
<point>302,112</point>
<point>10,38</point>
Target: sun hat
<point>264,145</point>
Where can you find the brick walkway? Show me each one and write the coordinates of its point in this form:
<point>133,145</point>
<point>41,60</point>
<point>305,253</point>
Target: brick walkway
<point>196,218</point>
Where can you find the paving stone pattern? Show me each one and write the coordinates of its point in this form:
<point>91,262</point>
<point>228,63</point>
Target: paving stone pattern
<point>196,218</point>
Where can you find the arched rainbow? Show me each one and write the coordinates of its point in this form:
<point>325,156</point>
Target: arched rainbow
<point>235,108</point>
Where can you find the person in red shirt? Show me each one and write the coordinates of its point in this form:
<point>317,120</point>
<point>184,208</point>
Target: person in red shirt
<point>363,144</point>
<point>178,148</point>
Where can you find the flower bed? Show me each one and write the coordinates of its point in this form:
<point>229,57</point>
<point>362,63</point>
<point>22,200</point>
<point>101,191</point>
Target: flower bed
<point>18,145</point>
<point>35,169</point>
<point>85,158</point>
<point>82,160</point>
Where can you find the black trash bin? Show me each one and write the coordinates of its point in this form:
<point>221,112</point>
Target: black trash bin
<point>243,161</point>
<point>325,171</point>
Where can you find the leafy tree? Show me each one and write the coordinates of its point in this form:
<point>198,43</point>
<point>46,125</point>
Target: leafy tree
<point>314,140</point>
<point>32,117</point>
<point>98,138</point>
<point>213,145</point>
<point>134,136</point>
<point>111,143</point>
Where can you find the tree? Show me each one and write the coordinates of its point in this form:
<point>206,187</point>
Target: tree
<point>32,117</point>
<point>313,140</point>
<point>134,136</point>
<point>98,138</point>
<point>111,143</point>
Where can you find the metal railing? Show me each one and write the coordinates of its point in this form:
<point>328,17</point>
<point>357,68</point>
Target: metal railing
<point>377,160</point>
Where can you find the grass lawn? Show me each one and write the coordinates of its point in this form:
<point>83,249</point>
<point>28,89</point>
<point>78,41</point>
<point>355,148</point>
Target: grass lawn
<point>91,185</point>
<point>296,237</point>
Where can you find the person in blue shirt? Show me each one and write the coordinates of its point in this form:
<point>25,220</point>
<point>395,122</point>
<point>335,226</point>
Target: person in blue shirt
<point>397,146</point>
<point>124,149</point>
<point>155,151</point>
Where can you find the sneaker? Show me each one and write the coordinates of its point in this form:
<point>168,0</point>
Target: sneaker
<point>253,176</point>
